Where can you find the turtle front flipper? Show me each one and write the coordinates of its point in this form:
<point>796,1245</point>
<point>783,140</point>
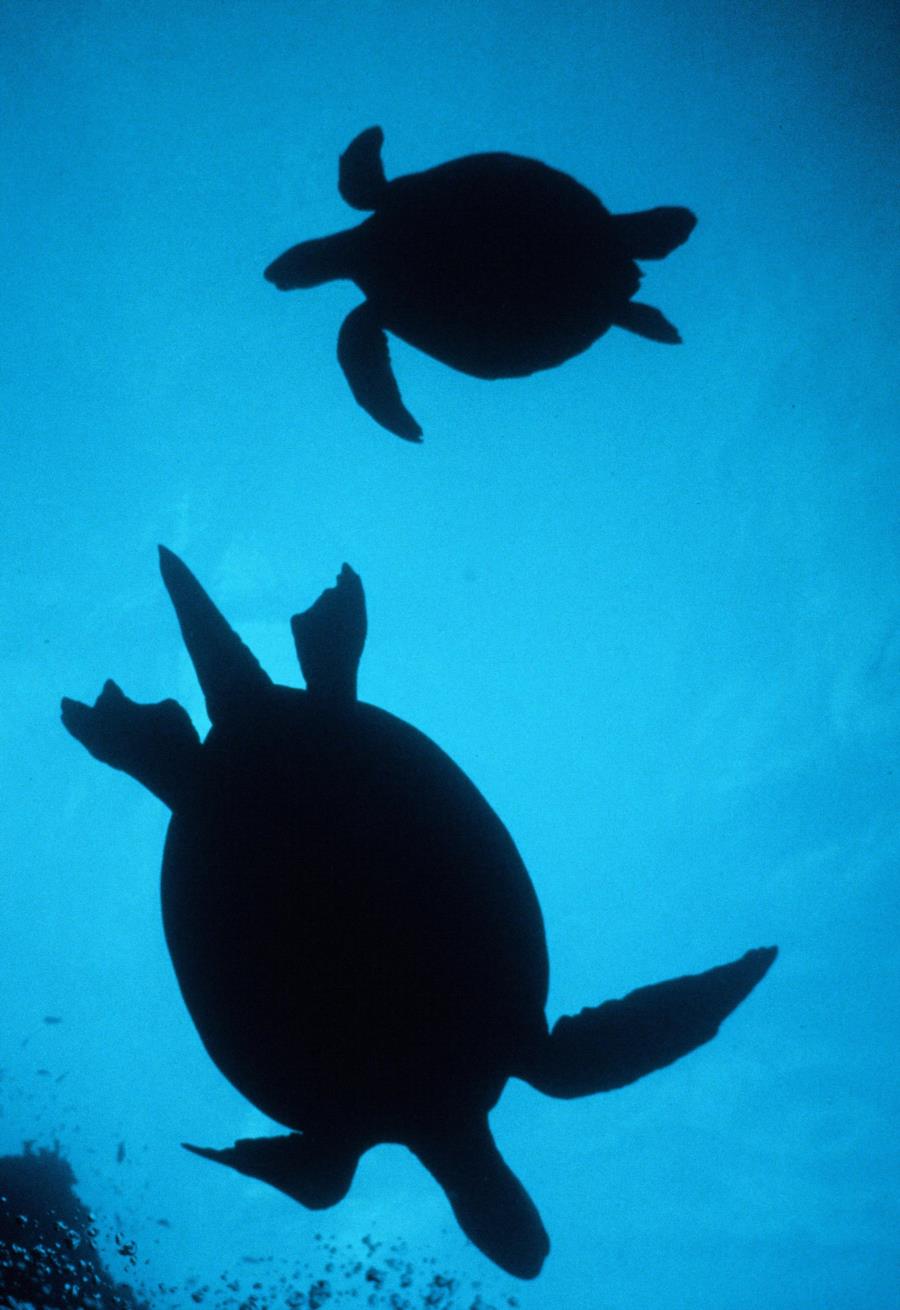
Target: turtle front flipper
<point>614,1044</point>
<point>315,1170</point>
<point>228,672</point>
<point>157,744</point>
<point>361,179</point>
<point>364,356</point>
<point>490,1204</point>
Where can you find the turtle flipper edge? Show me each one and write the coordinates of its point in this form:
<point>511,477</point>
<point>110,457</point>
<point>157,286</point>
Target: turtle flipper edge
<point>361,179</point>
<point>614,1044</point>
<point>316,1171</point>
<point>364,356</point>
<point>490,1204</point>
<point>156,744</point>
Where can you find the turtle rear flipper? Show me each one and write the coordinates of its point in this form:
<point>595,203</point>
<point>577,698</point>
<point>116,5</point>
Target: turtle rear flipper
<point>648,322</point>
<point>614,1044</point>
<point>654,233</point>
<point>490,1204</point>
<point>157,744</point>
<point>315,1170</point>
<point>364,356</point>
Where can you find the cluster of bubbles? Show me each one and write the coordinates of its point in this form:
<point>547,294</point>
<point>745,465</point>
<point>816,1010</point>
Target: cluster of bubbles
<point>48,1256</point>
<point>49,1260</point>
<point>370,1274</point>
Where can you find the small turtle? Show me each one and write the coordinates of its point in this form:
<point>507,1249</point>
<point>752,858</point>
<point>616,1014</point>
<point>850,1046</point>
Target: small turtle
<point>354,933</point>
<point>494,264</point>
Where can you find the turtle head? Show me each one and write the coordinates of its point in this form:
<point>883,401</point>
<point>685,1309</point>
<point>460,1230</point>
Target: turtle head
<point>330,637</point>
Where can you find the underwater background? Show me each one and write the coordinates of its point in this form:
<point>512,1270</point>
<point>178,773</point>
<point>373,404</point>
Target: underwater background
<point>647,600</point>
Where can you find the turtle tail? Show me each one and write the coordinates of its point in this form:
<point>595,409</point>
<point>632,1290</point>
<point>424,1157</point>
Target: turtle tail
<point>312,263</point>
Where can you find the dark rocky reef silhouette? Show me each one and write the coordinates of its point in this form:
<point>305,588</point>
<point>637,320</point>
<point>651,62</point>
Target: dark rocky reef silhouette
<point>494,264</point>
<point>353,930</point>
<point>47,1255</point>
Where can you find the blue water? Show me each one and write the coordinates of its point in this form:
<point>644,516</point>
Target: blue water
<point>648,600</point>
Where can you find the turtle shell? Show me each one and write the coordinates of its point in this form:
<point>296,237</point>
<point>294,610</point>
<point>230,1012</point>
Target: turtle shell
<point>353,930</point>
<point>495,264</point>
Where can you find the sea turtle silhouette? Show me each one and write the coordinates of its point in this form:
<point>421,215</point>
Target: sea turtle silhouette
<point>354,933</point>
<point>494,264</point>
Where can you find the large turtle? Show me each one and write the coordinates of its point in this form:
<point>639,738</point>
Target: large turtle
<point>495,264</point>
<point>354,933</point>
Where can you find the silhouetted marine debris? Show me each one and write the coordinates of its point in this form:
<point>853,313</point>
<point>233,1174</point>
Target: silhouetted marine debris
<point>494,264</point>
<point>48,1260</point>
<point>355,935</point>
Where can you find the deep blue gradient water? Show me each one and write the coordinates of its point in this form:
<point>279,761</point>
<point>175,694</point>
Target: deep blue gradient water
<point>648,600</point>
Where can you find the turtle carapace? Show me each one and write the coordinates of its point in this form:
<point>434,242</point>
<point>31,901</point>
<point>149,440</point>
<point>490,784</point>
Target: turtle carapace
<point>354,932</point>
<point>494,264</point>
